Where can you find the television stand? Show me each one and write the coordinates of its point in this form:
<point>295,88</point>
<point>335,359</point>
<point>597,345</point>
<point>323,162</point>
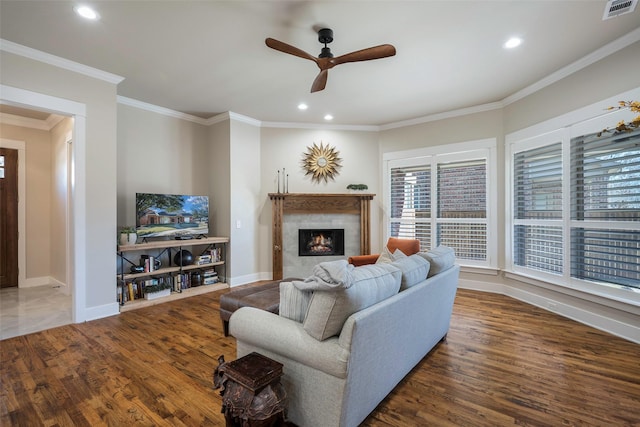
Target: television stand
<point>131,285</point>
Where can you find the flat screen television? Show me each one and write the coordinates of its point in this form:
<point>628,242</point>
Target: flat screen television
<point>171,215</point>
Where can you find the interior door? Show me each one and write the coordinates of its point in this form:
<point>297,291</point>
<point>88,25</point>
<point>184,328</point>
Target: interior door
<point>8,217</point>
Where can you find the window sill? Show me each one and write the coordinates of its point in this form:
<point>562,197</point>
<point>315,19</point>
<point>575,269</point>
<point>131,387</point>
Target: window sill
<point>614,297</point>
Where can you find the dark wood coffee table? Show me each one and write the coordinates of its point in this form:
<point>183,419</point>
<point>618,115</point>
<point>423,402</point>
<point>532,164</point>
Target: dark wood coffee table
<point>251,391</point>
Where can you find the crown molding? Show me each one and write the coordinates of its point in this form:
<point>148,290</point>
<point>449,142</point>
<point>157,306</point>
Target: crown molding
<point>160,110</point>
<point>595,56</point>
<point>359,128</point>
<point>57,61</point>
<point>27,122</point>
<point>446,115</point>
<point>230,115</point>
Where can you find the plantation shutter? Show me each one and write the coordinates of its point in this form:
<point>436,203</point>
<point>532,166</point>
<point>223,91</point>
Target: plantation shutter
<point>462,208</point>
<point>605,208</point>
<point>537,207</point>
<point>410,198</point>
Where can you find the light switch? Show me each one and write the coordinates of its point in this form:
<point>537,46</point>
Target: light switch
<point>238,224</point>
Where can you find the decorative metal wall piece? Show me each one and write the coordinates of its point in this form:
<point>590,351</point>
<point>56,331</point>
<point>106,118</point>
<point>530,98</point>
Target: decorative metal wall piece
<point>321,162</point>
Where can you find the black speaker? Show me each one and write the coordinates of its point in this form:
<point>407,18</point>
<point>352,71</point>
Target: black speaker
<point>182,258</point>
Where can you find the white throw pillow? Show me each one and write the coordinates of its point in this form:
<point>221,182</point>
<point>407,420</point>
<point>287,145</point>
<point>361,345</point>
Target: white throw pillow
<point>386,257</point>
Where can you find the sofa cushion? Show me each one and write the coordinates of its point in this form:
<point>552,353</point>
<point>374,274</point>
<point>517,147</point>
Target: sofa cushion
<point>294,303</point>
<point>440,258</point>
<point>329,310</point>
<point>414,270</point>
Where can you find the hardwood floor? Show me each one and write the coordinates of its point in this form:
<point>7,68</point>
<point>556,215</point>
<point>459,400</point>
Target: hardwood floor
<point>504,363</point>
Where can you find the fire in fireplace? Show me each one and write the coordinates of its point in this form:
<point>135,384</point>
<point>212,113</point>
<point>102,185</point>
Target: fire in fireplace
<point>315,242</point>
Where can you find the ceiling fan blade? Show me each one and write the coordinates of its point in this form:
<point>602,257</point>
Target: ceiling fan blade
<point>320,82</point>
<point>376,52</point>
<point>287,48</point>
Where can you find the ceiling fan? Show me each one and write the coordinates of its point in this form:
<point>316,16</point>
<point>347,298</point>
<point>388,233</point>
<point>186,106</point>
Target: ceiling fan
<point>326,61</point>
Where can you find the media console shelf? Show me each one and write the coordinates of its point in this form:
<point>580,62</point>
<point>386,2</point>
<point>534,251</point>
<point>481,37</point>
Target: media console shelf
<point>166,249</point>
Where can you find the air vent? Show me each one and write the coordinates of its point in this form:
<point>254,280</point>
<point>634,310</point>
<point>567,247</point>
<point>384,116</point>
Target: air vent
<point>618,7</point>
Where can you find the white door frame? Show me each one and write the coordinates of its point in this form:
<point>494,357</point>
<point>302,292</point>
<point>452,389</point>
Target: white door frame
<point>77,214</point>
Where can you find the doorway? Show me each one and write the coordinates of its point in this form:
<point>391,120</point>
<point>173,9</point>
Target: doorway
<point>36,291</point>
<point>77,215</point>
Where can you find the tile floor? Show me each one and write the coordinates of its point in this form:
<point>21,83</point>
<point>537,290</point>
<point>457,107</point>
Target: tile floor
<point>27,310</point>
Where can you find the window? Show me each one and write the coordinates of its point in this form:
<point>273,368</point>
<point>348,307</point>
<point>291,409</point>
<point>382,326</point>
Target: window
<point>605,191</point>
<point>444,198</point>
<point>537,204</point>
<point>575,209</point>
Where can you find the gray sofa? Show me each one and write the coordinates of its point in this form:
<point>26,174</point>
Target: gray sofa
<point>339,380</point>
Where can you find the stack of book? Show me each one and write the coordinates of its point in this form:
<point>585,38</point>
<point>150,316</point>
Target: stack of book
<point>210,277</point>
<point>204,259</point>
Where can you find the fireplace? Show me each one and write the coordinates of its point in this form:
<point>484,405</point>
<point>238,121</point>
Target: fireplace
<point>320,242</point>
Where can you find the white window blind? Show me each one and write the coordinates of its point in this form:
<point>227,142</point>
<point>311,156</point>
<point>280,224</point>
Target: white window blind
<point>537,206</point>
<point>605,191</point>
<point>410,203</point>
<point>444,199</point>
<point>462,208</point>
<point>576,208</point>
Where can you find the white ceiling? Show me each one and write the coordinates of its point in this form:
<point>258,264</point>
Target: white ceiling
<point>208,57</point>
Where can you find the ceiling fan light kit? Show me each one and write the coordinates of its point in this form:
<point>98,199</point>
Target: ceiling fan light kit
<point>326,60</point>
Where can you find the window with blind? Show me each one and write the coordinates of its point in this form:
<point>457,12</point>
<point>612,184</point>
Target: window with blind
<point>605,209</point>
<point>537,204</point>
<point>443,199</point>
<point>576,208</point>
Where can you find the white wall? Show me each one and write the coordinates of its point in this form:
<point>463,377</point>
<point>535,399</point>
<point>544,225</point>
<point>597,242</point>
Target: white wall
<point>285,148</point>
<point>245,185</point>
<point>157,154</point>
<point>59,200</point>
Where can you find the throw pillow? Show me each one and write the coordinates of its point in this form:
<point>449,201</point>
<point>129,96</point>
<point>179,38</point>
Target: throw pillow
<point>387,257</point>
<point>414,270</point>
<point>294,303</point>
<point>440,258</point>
<point>329,310</point>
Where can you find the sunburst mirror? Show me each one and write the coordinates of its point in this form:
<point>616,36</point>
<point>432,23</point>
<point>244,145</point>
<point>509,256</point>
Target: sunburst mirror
<point>321,162</point>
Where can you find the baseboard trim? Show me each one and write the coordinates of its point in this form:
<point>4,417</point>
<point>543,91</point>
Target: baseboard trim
<point>101,311</point>
<point>34,282</point>
<point>608,324</point>
<point>249,278</point>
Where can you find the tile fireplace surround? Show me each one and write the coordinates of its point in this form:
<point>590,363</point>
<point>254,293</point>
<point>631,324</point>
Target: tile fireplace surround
<point>308,210</point>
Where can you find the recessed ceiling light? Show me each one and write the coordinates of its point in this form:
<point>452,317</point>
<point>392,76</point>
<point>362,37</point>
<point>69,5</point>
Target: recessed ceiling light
<point>328,117</point>
<point>513,42</point>
<point>302,106</point>
<point>86,12</point>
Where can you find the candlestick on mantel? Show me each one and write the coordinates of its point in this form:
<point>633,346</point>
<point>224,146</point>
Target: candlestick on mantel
<point>287,187</point>
<point>278,180</point>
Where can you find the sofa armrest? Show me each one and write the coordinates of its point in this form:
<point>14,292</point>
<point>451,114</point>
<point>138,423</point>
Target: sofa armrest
<point>358,260</point>
<point>288,338</point>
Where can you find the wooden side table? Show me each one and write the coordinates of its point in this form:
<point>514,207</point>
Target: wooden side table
<point>251,391</point>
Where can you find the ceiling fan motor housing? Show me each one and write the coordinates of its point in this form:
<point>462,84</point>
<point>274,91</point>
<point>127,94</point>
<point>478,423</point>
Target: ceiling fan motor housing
<point>325,36</point>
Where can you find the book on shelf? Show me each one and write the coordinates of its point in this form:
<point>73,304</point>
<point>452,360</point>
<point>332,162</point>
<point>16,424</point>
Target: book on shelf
<point>210,280</point>
<point>204,259</point>
<point>181,281</point>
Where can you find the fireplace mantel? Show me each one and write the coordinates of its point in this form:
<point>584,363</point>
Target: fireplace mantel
<point>310,203</point>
